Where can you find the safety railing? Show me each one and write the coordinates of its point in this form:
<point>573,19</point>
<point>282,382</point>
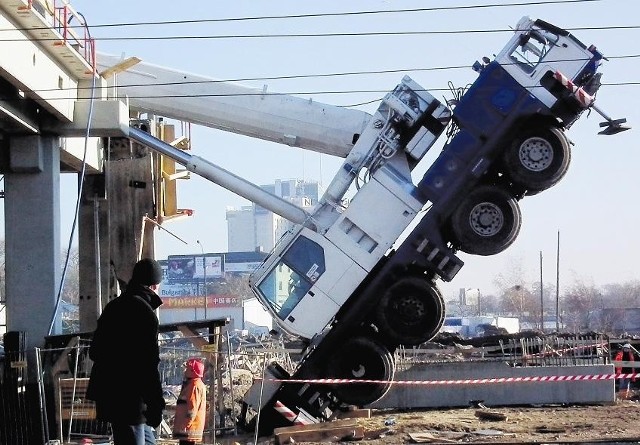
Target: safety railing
<point>70,24</point>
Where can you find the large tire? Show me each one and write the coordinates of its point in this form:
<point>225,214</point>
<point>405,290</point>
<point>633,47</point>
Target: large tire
<point>411,311</point>
<point>486,222</point>
<point>537,159</point>
<point>361,358</point>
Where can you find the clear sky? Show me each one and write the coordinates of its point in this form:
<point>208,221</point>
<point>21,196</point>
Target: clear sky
<point>595,207</point>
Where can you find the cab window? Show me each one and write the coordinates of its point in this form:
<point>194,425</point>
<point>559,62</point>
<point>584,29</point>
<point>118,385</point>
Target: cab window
<point>532,49</point>
<point>290,279</point>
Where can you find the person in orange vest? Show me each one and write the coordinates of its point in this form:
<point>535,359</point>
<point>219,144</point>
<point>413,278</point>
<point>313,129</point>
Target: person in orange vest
<point>188,424</point>
<point>624,386</point>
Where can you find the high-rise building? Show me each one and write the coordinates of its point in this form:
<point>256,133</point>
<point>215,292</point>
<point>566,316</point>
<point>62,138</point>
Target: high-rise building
<point>256,228</point>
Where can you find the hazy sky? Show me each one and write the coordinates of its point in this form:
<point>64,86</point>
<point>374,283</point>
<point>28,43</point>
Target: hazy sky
<point>595,207</point>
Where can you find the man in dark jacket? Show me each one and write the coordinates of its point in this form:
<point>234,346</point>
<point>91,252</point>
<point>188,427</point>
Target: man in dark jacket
<point>125,382</point>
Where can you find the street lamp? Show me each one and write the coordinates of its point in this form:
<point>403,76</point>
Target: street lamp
<point>204,268</point>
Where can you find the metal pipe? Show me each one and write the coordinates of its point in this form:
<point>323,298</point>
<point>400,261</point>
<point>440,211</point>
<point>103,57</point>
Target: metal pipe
<point>97,254</point>
<point>222,177</point>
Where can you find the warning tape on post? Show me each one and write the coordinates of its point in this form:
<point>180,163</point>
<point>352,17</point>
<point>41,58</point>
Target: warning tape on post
<point>481,381</point>
<point>291,416</point>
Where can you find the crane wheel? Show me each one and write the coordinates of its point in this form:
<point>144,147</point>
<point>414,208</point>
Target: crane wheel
<point>411,311</point>
<point>486,222</point>
<point>361,358</point>
<point>538,159</point>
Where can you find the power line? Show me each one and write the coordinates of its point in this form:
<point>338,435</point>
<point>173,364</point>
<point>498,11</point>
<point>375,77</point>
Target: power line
<point>308,76</point>
<point>331,14</point>
<point>328,34</point>
<point>310,93</point>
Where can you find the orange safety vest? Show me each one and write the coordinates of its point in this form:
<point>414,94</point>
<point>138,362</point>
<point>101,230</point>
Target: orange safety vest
<point>188,423</point>
<point>622,357</point>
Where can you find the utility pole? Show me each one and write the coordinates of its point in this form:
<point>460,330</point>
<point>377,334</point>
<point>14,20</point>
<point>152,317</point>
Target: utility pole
<point>541,297</point>
<point>204,273</point>
<point>558,285</point>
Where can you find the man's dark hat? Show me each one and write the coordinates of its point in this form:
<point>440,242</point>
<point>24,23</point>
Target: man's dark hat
<point>147,272</point>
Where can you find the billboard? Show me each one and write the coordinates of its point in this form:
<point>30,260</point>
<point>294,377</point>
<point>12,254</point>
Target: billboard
<point>247,267</point>
<point>213,301</point>
<point>175,296</point>
<point>180,268</point>
<point>209,266</point>
<point>191,268</point>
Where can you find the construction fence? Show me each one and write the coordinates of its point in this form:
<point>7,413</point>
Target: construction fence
<point>517,351</point>
<point>48,404</point>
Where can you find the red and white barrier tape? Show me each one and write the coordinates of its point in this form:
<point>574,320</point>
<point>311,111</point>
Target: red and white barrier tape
<point>524,379</point>
<point>585,99</point>
<point>290,415</point>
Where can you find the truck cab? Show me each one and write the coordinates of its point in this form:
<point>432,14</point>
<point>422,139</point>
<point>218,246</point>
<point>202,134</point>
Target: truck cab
<point>317,266</point>
<point>539,49</point>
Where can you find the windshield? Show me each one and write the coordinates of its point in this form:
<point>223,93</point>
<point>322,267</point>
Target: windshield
<point>291,278</point>
<point>532,49</point>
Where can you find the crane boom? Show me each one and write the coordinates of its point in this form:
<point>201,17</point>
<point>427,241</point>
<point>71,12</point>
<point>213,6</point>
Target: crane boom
<point>222,177</point>
<point>253,112</point>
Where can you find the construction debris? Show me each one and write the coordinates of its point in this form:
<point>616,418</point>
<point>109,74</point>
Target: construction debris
<point>355,413</point>
<point>490,415</point>
<point>436,436</point>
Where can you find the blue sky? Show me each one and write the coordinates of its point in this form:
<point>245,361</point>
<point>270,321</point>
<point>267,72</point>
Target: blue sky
<point>594,207</point>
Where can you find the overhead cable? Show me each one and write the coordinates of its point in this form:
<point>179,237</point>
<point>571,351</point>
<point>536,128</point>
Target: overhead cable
<point>331,14</point>
<point>330,34</point>
<point>303,76</point>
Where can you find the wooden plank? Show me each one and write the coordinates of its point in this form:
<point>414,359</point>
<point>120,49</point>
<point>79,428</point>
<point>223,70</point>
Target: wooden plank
<point>335,434</point>
<point>318,432</point>
<point>317,426</point>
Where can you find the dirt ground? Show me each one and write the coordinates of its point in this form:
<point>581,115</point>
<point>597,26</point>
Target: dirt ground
<point>522,424</point>
<point>526,424</point>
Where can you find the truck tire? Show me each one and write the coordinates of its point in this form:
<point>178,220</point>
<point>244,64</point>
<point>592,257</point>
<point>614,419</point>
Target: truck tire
<point>538,159</point>
<point>411,311</point>
<point>486,222</point>
<point>361,358</point>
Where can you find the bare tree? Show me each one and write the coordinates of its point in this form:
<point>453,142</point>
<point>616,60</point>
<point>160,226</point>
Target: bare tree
<point>71,286</point>
<point>516,297</point>
<point>236,285</point>
<point>521,302</point>
<point>622,295</point>
<point>490,304</point>
<point>580,303</point>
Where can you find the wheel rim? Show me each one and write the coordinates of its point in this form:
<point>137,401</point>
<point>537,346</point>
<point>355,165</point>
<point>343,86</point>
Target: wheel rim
<point>536,154</point>
<point>486,219</point>
<point>410,309</point>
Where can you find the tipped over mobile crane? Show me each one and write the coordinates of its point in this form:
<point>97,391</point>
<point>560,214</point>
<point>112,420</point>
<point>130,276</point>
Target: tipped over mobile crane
<point>356,281</point>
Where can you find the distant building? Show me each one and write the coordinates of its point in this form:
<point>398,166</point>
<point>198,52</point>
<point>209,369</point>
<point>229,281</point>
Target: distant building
<point>241,228</point>
<point>256,228</point>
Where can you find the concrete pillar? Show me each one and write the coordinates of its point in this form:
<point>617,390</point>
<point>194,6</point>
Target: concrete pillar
<point>32,236</point>
<point>95,289</point>
<point>129,173</point>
